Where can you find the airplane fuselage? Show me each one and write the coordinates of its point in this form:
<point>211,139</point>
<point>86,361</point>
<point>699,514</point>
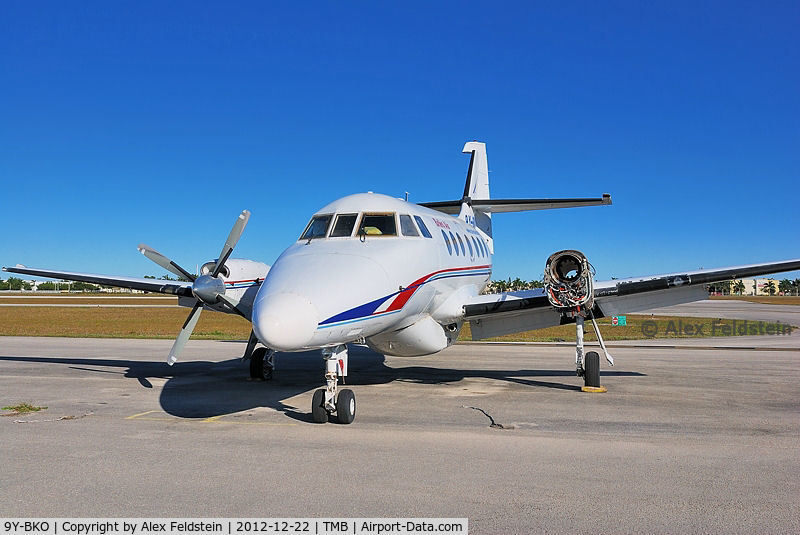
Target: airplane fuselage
<point>397,267</point>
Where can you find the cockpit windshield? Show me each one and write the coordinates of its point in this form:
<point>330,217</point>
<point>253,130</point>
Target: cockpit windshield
<point>344,225</point>
<point>317,228</point>
<point>377,225</point>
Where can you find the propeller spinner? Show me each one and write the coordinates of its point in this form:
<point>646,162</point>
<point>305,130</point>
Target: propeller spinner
<point>208,289</point>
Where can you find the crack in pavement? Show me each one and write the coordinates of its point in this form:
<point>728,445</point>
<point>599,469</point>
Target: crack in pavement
<point>493,424</point>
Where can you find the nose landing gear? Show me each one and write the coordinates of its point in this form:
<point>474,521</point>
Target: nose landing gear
<point>325,401</point>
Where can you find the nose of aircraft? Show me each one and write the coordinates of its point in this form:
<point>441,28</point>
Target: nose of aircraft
<point>284,321</point>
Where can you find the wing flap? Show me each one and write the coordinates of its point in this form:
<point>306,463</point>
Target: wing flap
<point>510,323</point>
<point>179,288</point>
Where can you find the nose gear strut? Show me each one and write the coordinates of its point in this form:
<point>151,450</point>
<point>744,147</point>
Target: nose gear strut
<point>326,401</point>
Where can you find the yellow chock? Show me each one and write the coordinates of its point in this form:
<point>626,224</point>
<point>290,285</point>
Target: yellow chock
<point>594,389</point>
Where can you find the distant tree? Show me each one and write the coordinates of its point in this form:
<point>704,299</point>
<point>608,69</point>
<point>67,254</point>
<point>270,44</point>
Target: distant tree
<point>84,287</point>
<point>14,283</point>
<point>770,288</point>
<point>46,286</point>
<point>149,277</point>
<point>26,285</point>
<point>738,287</point>
<point>3,285</point>
<point>720,287</point>
<point>785,286</point>
<point>167,278</point>
<point>796,286</point>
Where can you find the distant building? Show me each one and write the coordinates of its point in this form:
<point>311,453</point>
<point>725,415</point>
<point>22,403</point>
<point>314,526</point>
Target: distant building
<point>757,286</point>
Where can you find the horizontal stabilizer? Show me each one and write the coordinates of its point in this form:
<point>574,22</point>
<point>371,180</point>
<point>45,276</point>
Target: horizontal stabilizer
<point>497,206</point>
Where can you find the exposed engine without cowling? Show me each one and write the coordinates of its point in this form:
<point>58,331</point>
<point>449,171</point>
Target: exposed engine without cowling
<point>568,281</point>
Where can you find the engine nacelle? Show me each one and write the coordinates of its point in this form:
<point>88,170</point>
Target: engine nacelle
<point>568,281</point>
<point>424,337</point>
<point>238,269</point>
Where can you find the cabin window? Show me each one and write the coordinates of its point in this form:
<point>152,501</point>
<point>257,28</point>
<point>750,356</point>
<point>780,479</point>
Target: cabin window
<point>463,251</point>
<point>407,226</point>
<point>455,245</point>
<point>377,225</point>
<point>478,250</point>
<point>447,241</point>
<point>317,228</point>
<point>345,223</point>
<point>469,246</point>
<point>422,227</point>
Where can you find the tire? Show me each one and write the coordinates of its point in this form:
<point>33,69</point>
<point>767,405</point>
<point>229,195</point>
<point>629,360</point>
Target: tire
<point>318,412</point>
<point>257,364</point>
<point>592,366</point>
<point>346,406</point>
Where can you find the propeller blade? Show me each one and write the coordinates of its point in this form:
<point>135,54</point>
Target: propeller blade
<point>233,239</point>
<point>231,305</point>
<point>165,262</point>
<point>185,333</point>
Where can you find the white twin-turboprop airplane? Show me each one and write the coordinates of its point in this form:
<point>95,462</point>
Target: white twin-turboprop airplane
<point>403,278</point>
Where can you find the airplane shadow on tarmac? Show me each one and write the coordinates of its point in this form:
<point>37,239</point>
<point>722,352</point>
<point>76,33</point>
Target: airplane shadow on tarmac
<point>202,389</point>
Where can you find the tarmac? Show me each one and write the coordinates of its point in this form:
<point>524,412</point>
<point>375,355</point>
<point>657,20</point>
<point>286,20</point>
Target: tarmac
<point>692,435</point>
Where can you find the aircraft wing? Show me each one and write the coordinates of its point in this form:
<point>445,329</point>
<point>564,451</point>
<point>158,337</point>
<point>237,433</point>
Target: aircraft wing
<point>180,288</point>
<point>511,312</point>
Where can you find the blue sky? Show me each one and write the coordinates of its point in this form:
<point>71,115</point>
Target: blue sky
<point>123,123</point>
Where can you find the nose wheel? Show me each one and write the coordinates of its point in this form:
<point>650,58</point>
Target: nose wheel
<point>327,401</point>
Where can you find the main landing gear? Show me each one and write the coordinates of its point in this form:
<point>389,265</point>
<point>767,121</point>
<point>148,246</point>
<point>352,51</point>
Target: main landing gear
<point>325,400</point>
<point>262,360</point>
<point>588,365</point>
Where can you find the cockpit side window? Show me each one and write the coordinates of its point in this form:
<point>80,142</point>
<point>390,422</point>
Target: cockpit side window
<point>377,225</point>
<point>317,228</point>
<point>422,227</point>
<point>344,225</point>
<point>407,226</point>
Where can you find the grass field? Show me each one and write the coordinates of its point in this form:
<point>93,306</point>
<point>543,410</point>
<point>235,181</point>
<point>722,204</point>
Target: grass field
<point>113,322</point>
<point>93,300</point>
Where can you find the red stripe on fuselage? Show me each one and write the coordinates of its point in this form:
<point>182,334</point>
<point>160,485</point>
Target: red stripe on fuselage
<point>403,297</point>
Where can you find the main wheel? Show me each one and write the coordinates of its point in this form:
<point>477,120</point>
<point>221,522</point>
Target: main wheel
<point>318,412</point>
<point>346,406</point>
<point>257,364</point>
<point>592,366</point>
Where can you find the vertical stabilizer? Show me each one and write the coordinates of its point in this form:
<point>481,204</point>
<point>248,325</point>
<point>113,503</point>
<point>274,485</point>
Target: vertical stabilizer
<point>477,185</point>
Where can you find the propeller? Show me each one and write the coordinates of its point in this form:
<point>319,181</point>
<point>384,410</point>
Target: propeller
<point>208,289</point>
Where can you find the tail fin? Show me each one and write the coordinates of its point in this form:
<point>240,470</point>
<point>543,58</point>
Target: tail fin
<point>477,185</point>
